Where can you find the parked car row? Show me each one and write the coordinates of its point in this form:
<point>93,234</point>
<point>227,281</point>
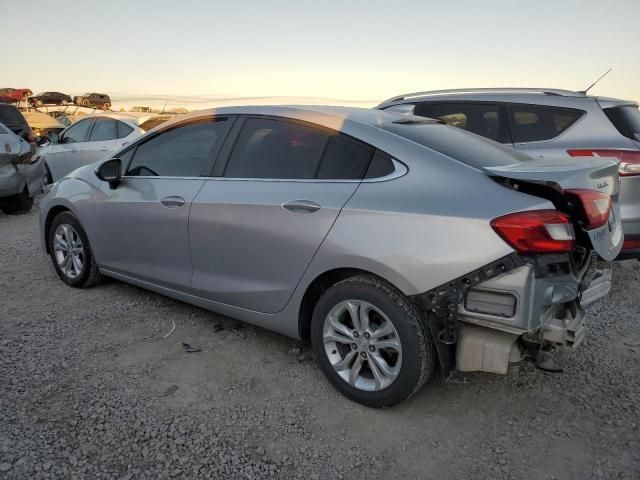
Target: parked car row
<point>544,123</point>
<point>20,172</point>
<point>347,228</point>
<point>91,99</point>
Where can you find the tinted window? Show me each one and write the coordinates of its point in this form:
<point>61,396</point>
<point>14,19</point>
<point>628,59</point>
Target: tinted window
<point>180,152</point>
<point>479,118</point>
<point>626,119</point>
<point>471,149</point>
<point>154,122</point>
<point>344,159</point>
<point>10,115</point>
<point>276,149</point>
<point>104,129</point>
<point>77,132</point>
<point>535,123</point>
<point>123,130</point>
<point>381,166</point>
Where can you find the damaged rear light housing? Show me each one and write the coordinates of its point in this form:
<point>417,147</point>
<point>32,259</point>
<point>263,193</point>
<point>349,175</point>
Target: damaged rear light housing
<point>629,159</point>
<point>536,231</point>
<point>594,207</point>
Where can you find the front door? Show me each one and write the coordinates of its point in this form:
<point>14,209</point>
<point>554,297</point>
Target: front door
<point>143,228</point>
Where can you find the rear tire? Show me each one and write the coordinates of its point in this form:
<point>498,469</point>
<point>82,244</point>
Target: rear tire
<point>379,365</point>
<point>15,204</point>
<point>71,252</point>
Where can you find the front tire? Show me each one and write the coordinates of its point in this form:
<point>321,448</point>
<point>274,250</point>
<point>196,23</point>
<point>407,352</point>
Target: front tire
<point>370,342</point>
<point>71,252</point>
<point>20,203</point>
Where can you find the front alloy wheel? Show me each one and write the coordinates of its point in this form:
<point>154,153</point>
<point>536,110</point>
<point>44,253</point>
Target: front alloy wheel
<point>71,253</point>
<point>68,251</point>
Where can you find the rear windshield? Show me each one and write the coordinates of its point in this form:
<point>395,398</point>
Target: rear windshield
<point>626,119</point>
<point>10,115</point>
<point>153,122</point>
<point>474,150</point>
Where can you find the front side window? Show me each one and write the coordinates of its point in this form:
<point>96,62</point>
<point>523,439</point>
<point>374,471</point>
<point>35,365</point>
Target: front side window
<point>103,130</point>
<point>78,132</point>
<point>268,148</point>
<point>537,123</point>
<point>183,151</point>
<point>480,118</point>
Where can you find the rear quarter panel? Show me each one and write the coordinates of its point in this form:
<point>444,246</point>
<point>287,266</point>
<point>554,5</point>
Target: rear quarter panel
<point>425,228</point>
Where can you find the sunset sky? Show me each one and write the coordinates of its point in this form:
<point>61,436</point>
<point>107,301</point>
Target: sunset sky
<point>358,51</point>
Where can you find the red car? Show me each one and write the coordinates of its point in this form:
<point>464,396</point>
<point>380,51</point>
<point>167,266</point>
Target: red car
<point>12,95</point>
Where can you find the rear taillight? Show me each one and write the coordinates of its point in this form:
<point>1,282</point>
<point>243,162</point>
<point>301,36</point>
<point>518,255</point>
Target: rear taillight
<point>536,231</point>
<point>629,159</point>
<point>631,243</point>
<point>595,207</point>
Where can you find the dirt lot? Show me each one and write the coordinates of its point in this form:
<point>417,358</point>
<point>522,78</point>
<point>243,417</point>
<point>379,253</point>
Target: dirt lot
<point>91,388</point>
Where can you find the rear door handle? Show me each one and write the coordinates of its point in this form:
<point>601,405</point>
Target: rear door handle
<point>301,206</point>
<point>172,201</point>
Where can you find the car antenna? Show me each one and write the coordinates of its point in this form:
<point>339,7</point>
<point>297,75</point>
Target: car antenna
<point>584,92</point>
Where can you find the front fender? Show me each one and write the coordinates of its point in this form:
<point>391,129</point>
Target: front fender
<point>71,193</point>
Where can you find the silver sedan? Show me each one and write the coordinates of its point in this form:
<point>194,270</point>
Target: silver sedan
<point>392,243</point>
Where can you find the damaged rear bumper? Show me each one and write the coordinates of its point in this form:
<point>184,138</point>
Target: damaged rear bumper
<point>541,300</point>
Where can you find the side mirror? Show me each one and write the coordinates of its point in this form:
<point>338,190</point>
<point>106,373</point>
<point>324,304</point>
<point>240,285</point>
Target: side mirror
<point>111,172</point>
<point>53,137</point>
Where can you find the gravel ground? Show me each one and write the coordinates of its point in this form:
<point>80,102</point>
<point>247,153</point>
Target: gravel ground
<point>91,388</point>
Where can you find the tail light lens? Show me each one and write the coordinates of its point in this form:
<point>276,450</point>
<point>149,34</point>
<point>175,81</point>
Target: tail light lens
<point>629,159</point>
<point>536,231</point>
<point>596,207</point>
<point>631,243</point>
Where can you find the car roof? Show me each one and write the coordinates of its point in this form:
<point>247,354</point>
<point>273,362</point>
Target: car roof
<point>517,95</point>
<point>330,116</point>
<point>136,118</point>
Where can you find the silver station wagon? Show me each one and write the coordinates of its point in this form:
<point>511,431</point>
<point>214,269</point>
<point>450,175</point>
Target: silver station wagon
<point>394,244</point>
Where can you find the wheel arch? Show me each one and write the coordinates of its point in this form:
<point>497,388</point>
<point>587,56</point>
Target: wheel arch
<point>51,214</point>
<point>316,289</point>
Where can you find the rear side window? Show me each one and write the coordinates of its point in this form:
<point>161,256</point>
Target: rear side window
<point>483,119</point>
<point>268,148</point>
<point>78,132</point>
<point>103,130</point>
<point>183,151</point>
<point>345,159</point>
<point>123,130</point>
<point>626,119</point>
<point>537,123</point>
<point>381,165</point>
<point>275,149</point>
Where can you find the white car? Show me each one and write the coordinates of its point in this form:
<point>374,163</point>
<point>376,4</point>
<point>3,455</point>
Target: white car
<point>92,138</point>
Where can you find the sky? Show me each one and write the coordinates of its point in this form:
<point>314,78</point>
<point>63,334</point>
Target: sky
<point>360,52</point>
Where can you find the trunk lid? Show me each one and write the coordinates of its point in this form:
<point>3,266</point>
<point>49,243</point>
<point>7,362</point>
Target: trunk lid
<point>565,173</point>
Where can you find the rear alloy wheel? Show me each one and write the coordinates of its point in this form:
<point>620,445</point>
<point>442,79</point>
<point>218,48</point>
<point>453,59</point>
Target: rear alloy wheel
<point>71,253</point>
<point>370,342</point>
<point>20,203</point>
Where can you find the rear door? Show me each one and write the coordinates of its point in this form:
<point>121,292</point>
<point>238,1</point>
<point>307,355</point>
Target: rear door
<point>254,229</point>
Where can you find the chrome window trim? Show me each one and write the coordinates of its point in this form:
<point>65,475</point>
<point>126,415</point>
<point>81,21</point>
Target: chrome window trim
<point>400,170</point>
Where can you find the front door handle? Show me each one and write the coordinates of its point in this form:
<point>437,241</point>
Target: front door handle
<point>301,206</point>
<point>172,201</point>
